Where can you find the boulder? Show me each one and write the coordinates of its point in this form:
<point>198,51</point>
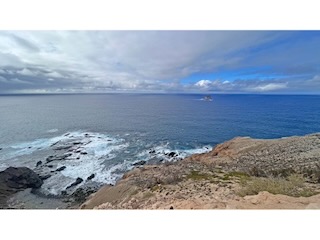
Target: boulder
<point>61,168</point>
<point>140,163</point>
<point>78,181</point>
<point>172,154</point>
<point>91,176</point>
<point>20,178</point>
<point>80,195</point>
<point>44,177</point>
<point>14,179</point>
<point>38,163</point>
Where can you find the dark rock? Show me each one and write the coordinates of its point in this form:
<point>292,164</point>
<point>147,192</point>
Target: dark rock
<point>50,166</point>
<point>20,178</point>
<point>54,144</point>
<point>81,194</point>
<point>172,154</point>
<point>63,147</point>
<point>14,179</point>
<point>58,158</point>
<point>152,151</point>
<point>29,147</point>
<point>0,149</point>
<point>61,168</point>
<point>54,158</point>
<point>38,163</point>
<point>78,181</point>
<point>49,159</point>
<point>64,193</point>
<point>171,208</point>
<point>140,163</point>
<point>76,143</point>
<point>78,158</point>
<point>91,176</point>
<point>45,177</point>
<point>84,153</point>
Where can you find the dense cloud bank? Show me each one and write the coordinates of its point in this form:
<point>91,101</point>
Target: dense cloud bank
<point>159,61</point>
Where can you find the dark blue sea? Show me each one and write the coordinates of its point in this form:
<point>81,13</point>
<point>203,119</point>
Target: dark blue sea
<point>106,134</point>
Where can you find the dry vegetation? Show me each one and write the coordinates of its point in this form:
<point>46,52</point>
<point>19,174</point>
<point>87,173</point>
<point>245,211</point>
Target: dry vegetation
<point>294,185</point>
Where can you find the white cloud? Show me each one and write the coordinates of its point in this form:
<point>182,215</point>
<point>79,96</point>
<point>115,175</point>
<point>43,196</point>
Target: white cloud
<point>255,85</point>
<point>269,87</point>
<point>147,60</point>
<point>203,83</point>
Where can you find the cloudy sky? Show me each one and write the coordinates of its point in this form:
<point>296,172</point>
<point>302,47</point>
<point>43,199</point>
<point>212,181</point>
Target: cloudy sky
<point>160,61</point>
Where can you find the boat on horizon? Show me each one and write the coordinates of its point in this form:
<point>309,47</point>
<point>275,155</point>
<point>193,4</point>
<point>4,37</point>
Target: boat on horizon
<point>207,98</point>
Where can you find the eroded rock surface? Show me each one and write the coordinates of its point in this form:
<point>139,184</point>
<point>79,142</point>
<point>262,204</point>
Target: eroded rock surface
<point>212,180</point>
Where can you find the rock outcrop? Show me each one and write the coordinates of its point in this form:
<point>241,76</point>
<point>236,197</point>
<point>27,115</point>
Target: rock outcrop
<point>215,179</point>
<point>14,179</point>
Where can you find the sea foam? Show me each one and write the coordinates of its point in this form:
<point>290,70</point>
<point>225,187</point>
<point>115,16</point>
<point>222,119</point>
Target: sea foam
<point>86,153</point>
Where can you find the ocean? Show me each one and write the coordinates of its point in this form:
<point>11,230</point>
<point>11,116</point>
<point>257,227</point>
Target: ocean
<point>109,134</point>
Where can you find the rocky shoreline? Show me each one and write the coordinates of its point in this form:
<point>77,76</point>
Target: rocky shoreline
<point>20,187</point>
<point>242,173</point>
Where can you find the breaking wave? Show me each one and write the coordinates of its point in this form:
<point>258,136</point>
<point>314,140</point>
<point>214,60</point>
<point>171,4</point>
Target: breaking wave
<point>82,154</point>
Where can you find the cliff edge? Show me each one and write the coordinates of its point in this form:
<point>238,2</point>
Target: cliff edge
<point>242,173</point>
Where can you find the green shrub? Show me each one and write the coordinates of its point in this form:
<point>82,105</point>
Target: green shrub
<point>195,175</point>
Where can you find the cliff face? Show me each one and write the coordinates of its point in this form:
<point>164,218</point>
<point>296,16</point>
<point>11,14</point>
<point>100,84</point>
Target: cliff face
<point>223,177</point>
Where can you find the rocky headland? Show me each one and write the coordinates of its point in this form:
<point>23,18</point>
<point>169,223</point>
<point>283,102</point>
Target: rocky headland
<point>242,173</point>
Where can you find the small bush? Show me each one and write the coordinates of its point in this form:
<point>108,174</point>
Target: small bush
<point>239,175</point>
<point>256,172</point>
<point>147,195</point>
<point>285,172</point>
<point>195,175</point>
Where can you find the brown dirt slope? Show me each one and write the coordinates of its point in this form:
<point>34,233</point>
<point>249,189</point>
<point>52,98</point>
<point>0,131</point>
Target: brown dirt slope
<point>289,168</point>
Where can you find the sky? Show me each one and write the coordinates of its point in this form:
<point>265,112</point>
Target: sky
<point>263,62</point>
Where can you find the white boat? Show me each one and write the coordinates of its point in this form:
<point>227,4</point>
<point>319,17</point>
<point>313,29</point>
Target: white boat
<point>207,98</point>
